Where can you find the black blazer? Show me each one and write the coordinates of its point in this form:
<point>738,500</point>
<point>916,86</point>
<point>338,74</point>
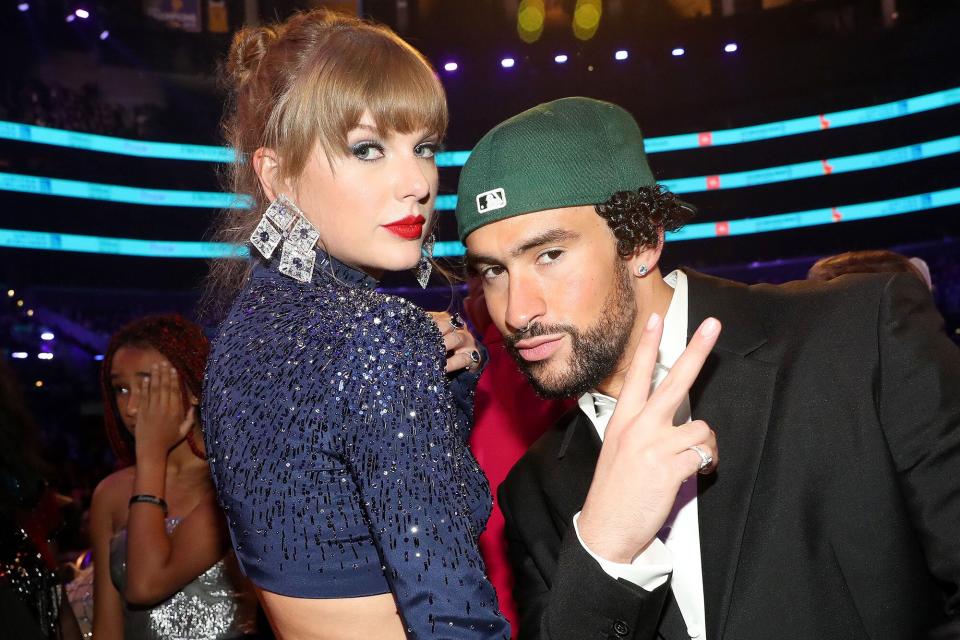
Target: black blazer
<point>835,512</point>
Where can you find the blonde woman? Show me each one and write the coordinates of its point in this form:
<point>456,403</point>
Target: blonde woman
<point>331,416</point>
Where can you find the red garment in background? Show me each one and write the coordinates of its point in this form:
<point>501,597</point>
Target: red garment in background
<point>508,418</point>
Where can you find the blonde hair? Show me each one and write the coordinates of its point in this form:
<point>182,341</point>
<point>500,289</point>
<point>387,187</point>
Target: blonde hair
<point>308,81</point>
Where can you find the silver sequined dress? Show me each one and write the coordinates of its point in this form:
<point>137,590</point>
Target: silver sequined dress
<point>212,607</point>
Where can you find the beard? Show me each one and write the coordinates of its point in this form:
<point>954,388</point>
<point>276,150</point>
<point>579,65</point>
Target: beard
<point>595,351</point>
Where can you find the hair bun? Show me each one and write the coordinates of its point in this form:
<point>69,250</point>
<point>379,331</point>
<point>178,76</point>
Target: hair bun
<point>249,47</point>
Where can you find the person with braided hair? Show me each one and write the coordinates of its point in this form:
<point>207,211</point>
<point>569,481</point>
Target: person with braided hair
<point>162,562</point>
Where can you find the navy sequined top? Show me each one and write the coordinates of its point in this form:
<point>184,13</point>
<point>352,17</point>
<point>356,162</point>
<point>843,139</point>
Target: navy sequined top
<point>339,453</point>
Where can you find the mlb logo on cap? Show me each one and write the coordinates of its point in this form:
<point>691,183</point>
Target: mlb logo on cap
<point>491,200</point>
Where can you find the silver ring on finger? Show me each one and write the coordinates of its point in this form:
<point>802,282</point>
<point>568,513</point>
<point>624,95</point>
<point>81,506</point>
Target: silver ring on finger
<point>456,321</point>
<point>474,360</point>
<point>705,459</point>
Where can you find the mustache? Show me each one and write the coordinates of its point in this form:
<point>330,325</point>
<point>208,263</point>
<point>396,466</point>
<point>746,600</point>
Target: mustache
<point>536,330</point>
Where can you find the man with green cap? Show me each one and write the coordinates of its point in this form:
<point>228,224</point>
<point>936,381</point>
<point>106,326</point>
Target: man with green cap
<point>834,408</point>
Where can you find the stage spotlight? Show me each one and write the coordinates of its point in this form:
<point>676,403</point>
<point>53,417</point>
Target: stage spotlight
<point>11,293</point>
<point>98,357</point>
<point>561,58</point>
<point>451,67</point>
<point>29,313</point>
<point>70,17</point>
<point>45,356</point>
<point>507,63</point>
<point>530,18</point>
<point>677,52</point>
<point>19,355</point>
<point>104,34</point>
<point>23,6</point>
<point>623,54</point>
<point>82,13</point>
<point>586,18</point>
<point>38,384</point>
<point>731,47</point>
<point>19,303</point>
<point>47,335</point>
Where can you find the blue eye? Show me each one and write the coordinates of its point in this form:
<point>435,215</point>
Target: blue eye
<point>427,149</point>
<point>367,151</point>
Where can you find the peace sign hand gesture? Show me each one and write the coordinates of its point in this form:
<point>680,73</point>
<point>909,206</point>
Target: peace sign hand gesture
<point>644,457</point>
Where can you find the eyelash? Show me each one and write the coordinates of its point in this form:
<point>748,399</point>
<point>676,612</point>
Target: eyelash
<point>361,147</point>
<point>558,252</point>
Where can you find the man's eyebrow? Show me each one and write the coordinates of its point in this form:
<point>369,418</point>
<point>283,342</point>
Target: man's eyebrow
<point>547,237</point>
<point>474,260</point>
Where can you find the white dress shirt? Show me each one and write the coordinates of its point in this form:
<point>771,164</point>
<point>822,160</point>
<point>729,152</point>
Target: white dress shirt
<point>677,547</point>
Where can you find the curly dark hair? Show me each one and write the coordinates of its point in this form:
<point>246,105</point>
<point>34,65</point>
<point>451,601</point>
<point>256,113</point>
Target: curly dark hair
<point>637,217</point>
<point>180,341</point>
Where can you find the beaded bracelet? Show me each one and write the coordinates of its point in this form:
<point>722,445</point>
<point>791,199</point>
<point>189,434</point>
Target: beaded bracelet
<point>144,497</point>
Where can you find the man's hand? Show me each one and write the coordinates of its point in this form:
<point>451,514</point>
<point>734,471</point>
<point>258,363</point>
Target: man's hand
<point>644,457</point>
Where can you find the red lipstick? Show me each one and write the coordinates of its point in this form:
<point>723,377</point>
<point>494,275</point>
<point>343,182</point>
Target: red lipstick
<point>408,228</point>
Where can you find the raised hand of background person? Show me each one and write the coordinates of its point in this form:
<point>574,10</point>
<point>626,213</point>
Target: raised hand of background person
<point>162,420</point>
<point>462,349</point>
<point>644,457</point>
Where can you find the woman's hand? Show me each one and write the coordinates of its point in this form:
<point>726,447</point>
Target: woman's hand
<point>162,420</point>
<point>461,346</point>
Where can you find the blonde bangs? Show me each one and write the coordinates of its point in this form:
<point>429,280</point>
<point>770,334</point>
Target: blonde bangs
<point>371,71</point>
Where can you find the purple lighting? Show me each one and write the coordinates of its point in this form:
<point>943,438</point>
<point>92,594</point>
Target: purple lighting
<point>451,67</point>
<point>23,6</point>
<point>507,63</point>
<point>731,47</point>
<point>19,355</point>
<point>104,34</point>
<point>82,13</point>
<point>71,18</point>
<point>561,58</point>
<point>677,52</point>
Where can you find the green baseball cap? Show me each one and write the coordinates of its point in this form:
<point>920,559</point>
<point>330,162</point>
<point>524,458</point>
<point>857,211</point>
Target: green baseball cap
<point>566,153</point>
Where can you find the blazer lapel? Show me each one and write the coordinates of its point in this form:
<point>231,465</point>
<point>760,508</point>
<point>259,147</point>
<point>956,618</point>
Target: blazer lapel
<point>733,394</point>
<point>576,461</point>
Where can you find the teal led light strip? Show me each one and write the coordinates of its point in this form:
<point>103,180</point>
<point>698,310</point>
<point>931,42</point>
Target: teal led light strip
<point>780,222</point>
<point>115,193</point>
<point>787,221</point>
<point>766,131</point>
<point>110,144</point>
<point>769,175</point>
<point>118,246</point>
<point>825,167</point>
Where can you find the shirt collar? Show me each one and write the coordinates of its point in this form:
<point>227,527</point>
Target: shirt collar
<point>672,342</point>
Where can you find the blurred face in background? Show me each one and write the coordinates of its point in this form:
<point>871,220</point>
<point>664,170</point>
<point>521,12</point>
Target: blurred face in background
<point>130,367</point>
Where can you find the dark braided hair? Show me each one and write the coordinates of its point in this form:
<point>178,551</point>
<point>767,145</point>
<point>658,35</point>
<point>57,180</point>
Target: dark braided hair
<point>179,340</point>
<point>637,217</point>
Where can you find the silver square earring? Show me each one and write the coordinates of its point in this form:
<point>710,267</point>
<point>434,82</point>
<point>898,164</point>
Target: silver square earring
<point>425,266</point>
<point>284,222</point>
